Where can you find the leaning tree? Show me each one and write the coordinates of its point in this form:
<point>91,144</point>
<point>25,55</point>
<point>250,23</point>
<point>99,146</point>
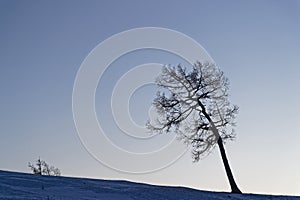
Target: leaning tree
<point>194,104</point>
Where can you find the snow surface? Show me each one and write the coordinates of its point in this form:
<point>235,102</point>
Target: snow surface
<point>15,185</point>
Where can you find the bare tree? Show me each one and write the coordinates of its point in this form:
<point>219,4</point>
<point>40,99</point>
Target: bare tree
<point>43,168</point>
<point>194,104</point>
<point>37,168</point>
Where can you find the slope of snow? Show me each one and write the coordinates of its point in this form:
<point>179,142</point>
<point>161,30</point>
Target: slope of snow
<point>15,185</point>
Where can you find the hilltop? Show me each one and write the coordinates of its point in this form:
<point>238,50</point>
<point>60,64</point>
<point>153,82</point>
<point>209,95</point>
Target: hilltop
<point>14,185</point>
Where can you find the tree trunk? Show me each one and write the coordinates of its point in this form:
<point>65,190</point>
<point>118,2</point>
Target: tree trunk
<point>233,185</point>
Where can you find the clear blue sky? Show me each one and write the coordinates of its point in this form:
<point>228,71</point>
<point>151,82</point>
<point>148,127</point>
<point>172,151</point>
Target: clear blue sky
<point>256,44</point>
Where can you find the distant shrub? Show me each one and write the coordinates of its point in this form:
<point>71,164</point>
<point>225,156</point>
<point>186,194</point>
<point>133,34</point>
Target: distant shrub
<point>43,168</point>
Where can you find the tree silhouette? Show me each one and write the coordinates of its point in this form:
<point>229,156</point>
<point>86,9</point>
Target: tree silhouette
<point>194,104</point>
<point>43,168</point>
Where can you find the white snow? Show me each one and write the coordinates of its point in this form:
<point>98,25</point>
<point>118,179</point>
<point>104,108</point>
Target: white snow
<point>15,185</point>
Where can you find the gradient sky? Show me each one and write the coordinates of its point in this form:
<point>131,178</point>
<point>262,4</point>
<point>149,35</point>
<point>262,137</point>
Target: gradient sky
<point>256,44</point>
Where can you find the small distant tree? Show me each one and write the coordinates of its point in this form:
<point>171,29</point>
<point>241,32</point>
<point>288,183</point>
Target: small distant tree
<point>194,104</point>
<point>43,168</point>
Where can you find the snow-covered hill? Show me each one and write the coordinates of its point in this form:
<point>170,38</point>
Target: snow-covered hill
<point>28,186</point>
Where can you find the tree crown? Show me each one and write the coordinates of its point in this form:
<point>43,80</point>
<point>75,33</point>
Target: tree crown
<point>192,103</point>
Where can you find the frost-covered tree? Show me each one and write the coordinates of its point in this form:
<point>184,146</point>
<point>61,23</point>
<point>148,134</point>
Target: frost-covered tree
<point>43,168</point>
<point>194,104</point>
